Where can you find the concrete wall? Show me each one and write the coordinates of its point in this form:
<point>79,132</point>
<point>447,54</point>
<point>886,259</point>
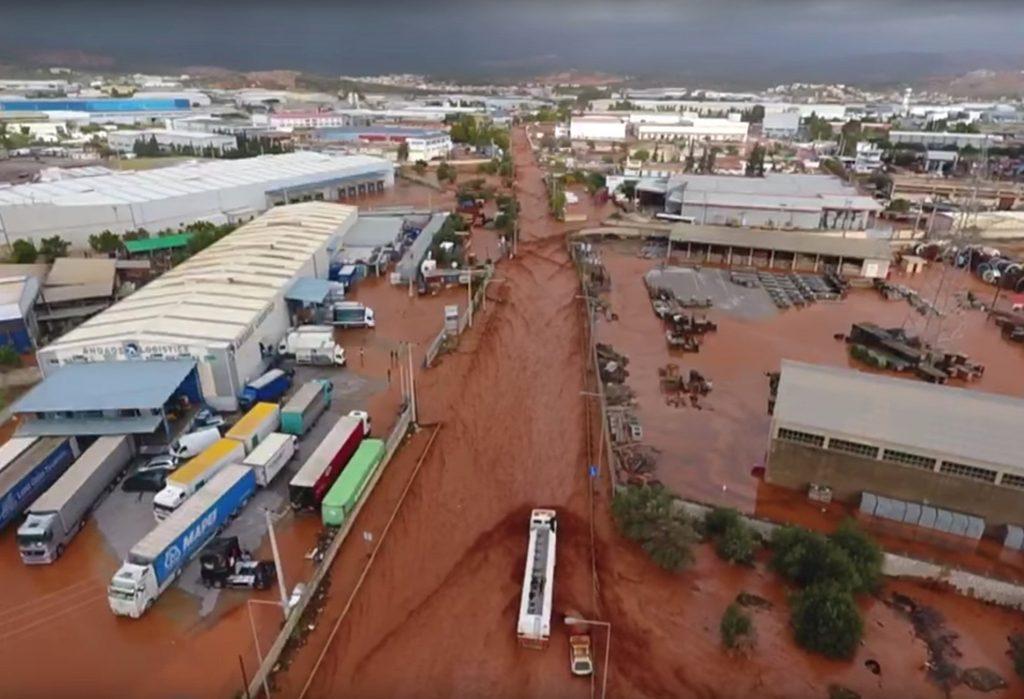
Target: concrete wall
<point>796,466</point>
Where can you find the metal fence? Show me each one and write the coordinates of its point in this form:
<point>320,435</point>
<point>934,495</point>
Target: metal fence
<point>437,345</point>
<point>273,655</point>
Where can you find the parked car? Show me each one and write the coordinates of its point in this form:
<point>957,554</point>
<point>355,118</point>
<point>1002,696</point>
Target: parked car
<point>163,462</point>
<point>580,661</point>
<point>152,481</point>
<point>206,417</point>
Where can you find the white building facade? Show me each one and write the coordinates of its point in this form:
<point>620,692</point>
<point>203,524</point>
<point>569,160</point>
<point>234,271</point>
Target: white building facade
<point>168,140</point>
<point>696,130</point>
<point>597,128</point>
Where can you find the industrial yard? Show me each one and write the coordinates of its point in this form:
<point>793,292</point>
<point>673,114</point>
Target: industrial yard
<point>569,386</point>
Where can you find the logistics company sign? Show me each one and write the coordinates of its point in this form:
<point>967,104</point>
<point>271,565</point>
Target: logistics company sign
<point>135,350</point>
<point>182,549</point>
<point>34,483</point>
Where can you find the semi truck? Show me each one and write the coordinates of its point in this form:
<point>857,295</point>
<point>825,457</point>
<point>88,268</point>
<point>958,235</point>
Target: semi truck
<point>350,314</point>
<point>33,471</point>
<point>308,487</point>
<point>309,402</point>
<point>534,625</point>
<point>60,513</point>
<point>223,563</point>
<point>154,563</point>
<point>341,499</point>
<point>255,425</point>
<point>196,473</point>
<point>294,336</point>
<point>270,457</point>
<point>269,387</point>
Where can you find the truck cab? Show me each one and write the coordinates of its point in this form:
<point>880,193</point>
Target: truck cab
<point>168,500</point>
<point>132,590</point>
<point>363,417</point>
<point>36,539</point>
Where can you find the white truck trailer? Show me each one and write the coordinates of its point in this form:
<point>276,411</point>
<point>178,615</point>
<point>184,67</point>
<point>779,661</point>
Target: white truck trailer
<point>60,512</point>
<point>270,457</point>
<point>534,627</point>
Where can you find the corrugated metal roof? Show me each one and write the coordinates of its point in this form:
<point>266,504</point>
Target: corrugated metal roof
<point>803,242</point>
<point>106,386</point>
<point>957,423</point>
<point>161,183</point>
<point>216,294</point>
<point>309,290</point>
<point>373,231</point>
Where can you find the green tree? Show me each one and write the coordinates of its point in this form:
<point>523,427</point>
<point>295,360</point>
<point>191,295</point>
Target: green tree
<point>445,171</point>
<point>403,151</point>
<point>642,154</point>
<point>23,252</point>
<point>648,515</point>
<point>736,627</point>
<point>1017,652</point>
<point>818,128</point>
<point>105,242</point>
<point>826,620</point>
<point>9,356</point>
<point>755,163</point>
<point>863,552</point>
<point>53,247</point>
<point>420,166</point>
<point>720,520</point>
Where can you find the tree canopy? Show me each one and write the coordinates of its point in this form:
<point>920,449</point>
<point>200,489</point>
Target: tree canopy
<point>826,620</point>
<point>648,515</point>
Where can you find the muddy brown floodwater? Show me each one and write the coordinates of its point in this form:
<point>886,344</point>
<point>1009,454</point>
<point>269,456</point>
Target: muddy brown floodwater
<point>436,614</point>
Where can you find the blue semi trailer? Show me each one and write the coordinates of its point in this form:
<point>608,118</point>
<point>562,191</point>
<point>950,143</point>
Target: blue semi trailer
<point>154,563</point>
<point>34,470</point>
<point>268,388</point>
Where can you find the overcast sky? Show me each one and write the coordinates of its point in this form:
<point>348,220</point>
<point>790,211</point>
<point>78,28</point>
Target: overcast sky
<point>754,40</point>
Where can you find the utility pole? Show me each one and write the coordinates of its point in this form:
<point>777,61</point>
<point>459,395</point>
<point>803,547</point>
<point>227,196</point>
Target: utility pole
<point>412,385</point>
<point>469,295</point>
<point>277,564</point>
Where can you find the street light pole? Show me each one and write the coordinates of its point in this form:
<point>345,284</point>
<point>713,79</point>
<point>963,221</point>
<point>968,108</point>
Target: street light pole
<point>412,385</point>
<point>256,642</point>
<point>572,621</point>
<point>277,564</point>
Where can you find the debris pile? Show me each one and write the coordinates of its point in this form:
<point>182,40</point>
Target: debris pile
<point>930,626</point>
<point>611,364</point>
<point>788,290</point>
<point>895,349</point>
<point>891,292</point>
<point>679,389</point>
<point>635,464</point>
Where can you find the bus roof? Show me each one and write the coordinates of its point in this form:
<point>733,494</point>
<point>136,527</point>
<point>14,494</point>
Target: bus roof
<point>199,464</point>
<point>252,420</point>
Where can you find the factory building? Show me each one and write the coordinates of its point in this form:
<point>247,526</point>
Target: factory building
<point>423,144</point>
<point>171,141</point>
<point>696,130</point>
<point>795,202</point>
<point>781,125</point>
<point>97,104</point>
<point>219,191</point>
<point>947,139</point>
<point>907,446</point>
<point>224,308</point>
<point>597,128</point>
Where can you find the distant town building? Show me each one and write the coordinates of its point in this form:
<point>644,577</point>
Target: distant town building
<point>938,139</point>
<point>781,125</point>
<point>696,130</point>
<point>868,158</point>
<point>423,144</point>
<point>219,191</point>
<point>597,128</point>
<point>124,141</point>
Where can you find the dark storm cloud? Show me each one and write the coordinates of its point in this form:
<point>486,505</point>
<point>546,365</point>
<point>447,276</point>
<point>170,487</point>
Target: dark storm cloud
<point>751,40</point>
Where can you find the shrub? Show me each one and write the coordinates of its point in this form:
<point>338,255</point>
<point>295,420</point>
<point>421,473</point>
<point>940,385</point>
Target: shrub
<point>863,552</point>
<point>806,558</point>
<point>736,627</point>
<point>648,516</point>
<point>737,545</point>
<point>720,520</point>
<point>1017,652</point>
<point>826,620</point>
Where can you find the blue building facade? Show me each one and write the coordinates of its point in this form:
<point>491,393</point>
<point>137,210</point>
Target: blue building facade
<point>95,105</point>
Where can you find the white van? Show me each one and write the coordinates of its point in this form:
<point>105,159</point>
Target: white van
<point>194,443</point>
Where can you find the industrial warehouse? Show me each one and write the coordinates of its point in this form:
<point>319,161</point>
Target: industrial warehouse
<point>928,447</point>
<point>168,198</point>
<point>225,307</point>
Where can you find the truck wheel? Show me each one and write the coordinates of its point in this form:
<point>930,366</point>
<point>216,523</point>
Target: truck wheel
<point>60,550</point>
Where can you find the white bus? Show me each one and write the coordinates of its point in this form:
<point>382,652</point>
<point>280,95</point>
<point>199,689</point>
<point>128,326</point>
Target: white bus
<point>534,626</point>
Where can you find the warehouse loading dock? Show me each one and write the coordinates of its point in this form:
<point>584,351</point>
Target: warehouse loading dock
<point>152,399</point>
